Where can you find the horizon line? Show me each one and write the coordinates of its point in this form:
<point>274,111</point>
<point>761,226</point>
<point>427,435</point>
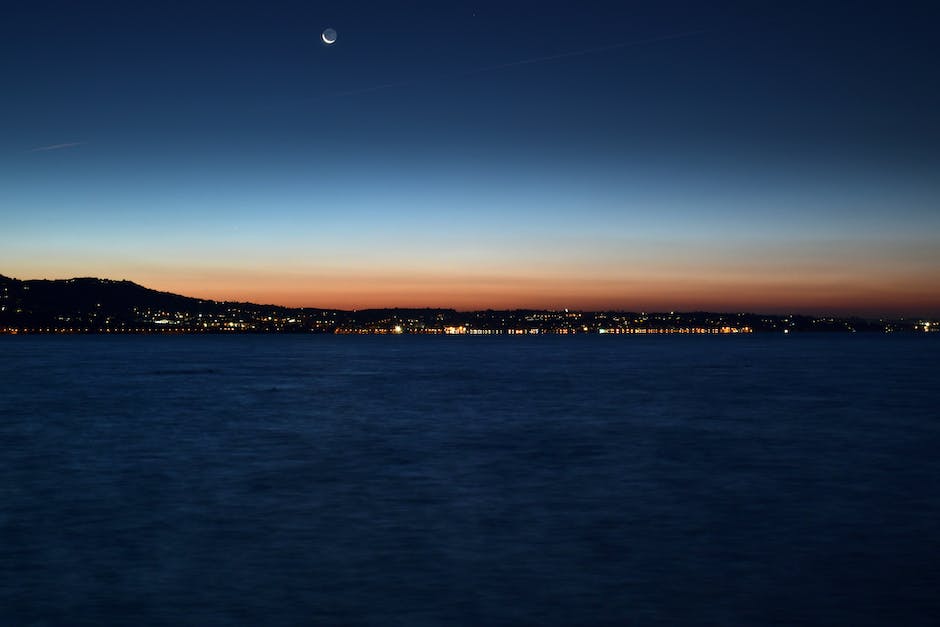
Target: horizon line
<point>576,309</point>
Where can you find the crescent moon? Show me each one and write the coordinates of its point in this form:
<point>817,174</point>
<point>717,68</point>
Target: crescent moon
<point>328,36</point>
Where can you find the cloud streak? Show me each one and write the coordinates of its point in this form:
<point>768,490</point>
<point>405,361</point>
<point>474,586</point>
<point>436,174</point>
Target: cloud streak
<point>517,63</point>
<point>56,147</point>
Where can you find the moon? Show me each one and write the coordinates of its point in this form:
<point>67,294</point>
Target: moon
<point>328,36</point>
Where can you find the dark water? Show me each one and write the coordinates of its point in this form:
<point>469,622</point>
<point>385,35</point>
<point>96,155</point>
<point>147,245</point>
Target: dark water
<point>282,480</point>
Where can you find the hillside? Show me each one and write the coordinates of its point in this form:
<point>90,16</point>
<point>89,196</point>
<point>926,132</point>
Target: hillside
<point>95,302</point>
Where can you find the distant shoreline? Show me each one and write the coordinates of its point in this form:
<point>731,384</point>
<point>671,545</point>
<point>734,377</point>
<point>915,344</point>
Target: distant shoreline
<point>915,331</point>
<point>103,306</point>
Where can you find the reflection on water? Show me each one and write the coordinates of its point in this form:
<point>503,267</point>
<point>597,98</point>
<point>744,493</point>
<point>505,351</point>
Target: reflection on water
<point>282,480</point>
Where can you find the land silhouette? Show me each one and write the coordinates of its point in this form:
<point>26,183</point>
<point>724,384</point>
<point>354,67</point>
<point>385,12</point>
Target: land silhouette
<point>95,305</point>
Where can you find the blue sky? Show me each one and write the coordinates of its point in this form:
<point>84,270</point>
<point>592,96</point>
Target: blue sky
<point>781,157</point>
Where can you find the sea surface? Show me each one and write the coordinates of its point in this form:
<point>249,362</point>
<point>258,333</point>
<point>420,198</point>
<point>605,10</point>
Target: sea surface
<point>589,480</point>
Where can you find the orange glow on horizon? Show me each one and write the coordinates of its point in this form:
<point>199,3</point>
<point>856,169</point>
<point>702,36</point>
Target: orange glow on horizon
<point>889,291</point>
<point>888,296</point>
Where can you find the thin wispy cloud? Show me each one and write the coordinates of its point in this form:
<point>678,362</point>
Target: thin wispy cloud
<point>56,147</point>
<point>519,62</point>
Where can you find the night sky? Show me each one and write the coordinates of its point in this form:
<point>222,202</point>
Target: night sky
<point>775,156</point>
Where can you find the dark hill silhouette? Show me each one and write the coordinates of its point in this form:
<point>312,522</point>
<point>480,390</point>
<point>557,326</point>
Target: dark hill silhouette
<point>87,293</point>
<point>86,300</point>
<point>94,305</point>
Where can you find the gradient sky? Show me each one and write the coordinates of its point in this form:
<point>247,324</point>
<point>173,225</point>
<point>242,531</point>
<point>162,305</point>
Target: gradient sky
<point>774,156</point>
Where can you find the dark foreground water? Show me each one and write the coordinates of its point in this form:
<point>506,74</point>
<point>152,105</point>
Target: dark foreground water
<point>286,480</point>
